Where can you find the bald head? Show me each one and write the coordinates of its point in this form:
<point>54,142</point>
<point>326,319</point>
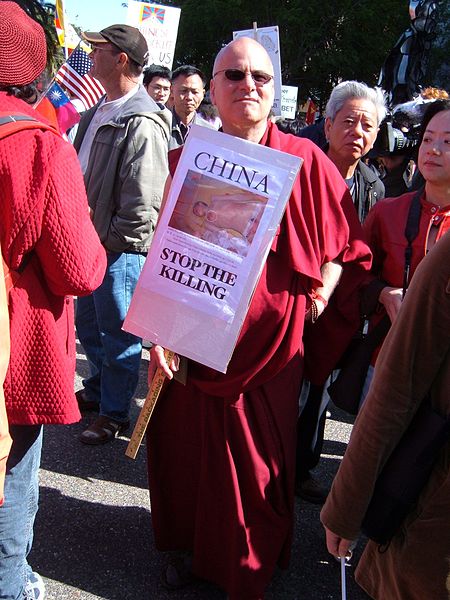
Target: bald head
<point>243,45</point>
<point>242,88</point>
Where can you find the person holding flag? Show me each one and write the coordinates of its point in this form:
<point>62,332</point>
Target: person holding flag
<point>52,253</point>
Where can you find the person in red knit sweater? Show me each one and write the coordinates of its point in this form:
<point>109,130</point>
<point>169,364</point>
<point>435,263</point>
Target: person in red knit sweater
<point>53,252</point>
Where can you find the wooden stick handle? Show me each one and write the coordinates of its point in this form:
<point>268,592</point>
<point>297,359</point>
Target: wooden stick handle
<point>147,410</point>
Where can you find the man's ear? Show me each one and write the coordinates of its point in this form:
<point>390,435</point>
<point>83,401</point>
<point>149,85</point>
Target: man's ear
<point>327,126</point>
<point>122,59</point>
<point>211,91</point>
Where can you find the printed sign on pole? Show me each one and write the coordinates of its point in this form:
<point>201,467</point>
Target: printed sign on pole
<point>159,25</point>
<point>269,38</point>
<point>288,101</point>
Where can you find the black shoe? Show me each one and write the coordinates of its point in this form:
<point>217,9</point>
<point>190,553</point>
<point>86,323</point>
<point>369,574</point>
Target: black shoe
<point>310,490</point>
<point>103,430</point>
<point>84,404</point>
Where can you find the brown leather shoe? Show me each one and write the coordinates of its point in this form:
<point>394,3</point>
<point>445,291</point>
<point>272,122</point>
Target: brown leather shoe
<point>103,430</point>
<point>84,404</point>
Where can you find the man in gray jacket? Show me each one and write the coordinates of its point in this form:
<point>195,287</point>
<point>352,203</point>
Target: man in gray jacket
<point>122,145</point>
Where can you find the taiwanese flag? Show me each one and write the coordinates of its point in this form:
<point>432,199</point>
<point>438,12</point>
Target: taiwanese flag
<point>66,113</point>
<point>47,110</point>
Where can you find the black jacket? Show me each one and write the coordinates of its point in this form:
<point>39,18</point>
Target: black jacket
<point>367,191</point>
<point>368,187</point>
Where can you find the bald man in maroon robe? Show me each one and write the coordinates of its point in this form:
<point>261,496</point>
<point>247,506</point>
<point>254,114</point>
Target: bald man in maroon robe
<point>221,449</point>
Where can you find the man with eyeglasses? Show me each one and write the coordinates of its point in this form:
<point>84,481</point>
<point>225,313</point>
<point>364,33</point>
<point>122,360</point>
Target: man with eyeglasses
<point>122,145</point>
<point>157,83</point>
<point>187,93</point>
<point>221,449</point>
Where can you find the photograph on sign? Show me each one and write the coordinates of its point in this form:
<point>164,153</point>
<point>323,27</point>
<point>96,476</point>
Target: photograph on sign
<point>217,212</point>
<point>219,220</point>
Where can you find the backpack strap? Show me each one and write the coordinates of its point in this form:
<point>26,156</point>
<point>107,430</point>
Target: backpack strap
<point>11,123</point>
<point>411,232</point>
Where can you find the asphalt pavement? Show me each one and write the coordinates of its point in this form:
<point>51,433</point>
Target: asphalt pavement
<point>93,533</point>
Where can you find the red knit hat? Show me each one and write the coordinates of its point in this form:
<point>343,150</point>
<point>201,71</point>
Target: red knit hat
<point>23,49</point>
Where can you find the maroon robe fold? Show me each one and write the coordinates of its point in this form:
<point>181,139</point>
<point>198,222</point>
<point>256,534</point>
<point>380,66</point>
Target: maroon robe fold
<point>221,449</point>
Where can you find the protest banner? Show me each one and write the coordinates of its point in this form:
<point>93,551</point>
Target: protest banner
<point>159,25</point>
<point>269,38</point>
<point>227,198</point>
<point>289,101</point>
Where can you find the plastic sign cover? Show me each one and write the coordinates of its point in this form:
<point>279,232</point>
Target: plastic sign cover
<point>222,212</point>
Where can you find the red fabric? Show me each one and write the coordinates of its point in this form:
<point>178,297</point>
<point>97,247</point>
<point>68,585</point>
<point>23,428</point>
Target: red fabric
<point>385,230</point>
<point>24,49</point>
<point>222,449</point>
<point>47,110</point>
<point>326,340</point>
<point>44,221</point>
<point>221,473</point>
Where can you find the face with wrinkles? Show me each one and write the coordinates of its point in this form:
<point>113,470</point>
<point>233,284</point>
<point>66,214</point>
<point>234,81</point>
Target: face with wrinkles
<point>243,104</point>
<point>353,131</point>
<point>105,58</point>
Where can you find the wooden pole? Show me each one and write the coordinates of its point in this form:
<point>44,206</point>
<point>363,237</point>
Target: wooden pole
<point>147,410</point>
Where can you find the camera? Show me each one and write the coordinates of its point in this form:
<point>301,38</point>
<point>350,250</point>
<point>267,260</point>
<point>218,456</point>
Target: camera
<point>397,136</point>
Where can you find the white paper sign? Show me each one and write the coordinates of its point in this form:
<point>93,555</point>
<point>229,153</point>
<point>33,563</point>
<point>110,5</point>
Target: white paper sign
<point>269,38</point>
<point>159,25</point>
<point>289,101</point>
<point>225,203</point>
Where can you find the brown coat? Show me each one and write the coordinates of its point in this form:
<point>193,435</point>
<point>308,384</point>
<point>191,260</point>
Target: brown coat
<point>414,359</point>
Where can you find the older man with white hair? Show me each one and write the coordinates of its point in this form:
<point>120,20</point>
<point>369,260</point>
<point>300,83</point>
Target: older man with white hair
<point>222,447</point>
<point>354,112</point>
<point>353,115</point>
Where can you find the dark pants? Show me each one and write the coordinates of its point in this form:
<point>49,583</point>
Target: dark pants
<point>310,432</point>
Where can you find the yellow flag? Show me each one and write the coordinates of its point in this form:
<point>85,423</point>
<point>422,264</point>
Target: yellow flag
<point>59,21</point>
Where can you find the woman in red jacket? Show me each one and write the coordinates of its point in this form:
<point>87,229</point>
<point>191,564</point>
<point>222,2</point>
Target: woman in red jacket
<point>53,253</point>
<point>428,212</point>
<point>386,222</point>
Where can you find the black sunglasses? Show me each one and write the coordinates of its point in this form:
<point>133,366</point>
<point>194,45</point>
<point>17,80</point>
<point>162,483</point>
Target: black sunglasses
<point>259,77</point>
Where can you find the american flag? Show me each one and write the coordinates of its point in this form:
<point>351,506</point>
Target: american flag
<point>74,76</point>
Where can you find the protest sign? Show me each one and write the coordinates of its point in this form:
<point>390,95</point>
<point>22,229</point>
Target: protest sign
<point>269,38</point>
<point>223,209</point>
<point>289,101</point>
<point>159,25</point>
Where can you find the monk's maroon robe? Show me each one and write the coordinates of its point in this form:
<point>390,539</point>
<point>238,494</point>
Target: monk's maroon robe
<point>221,449</point>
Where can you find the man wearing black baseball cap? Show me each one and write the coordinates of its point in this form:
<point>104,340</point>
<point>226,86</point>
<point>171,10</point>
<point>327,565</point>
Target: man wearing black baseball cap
<point>126,38</point>
<point>122,145</point>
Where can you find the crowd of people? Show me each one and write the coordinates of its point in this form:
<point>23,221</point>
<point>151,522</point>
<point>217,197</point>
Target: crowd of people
<point>227,453</point>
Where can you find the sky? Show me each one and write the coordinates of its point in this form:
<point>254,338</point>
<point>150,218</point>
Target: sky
<point>93,15</point>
